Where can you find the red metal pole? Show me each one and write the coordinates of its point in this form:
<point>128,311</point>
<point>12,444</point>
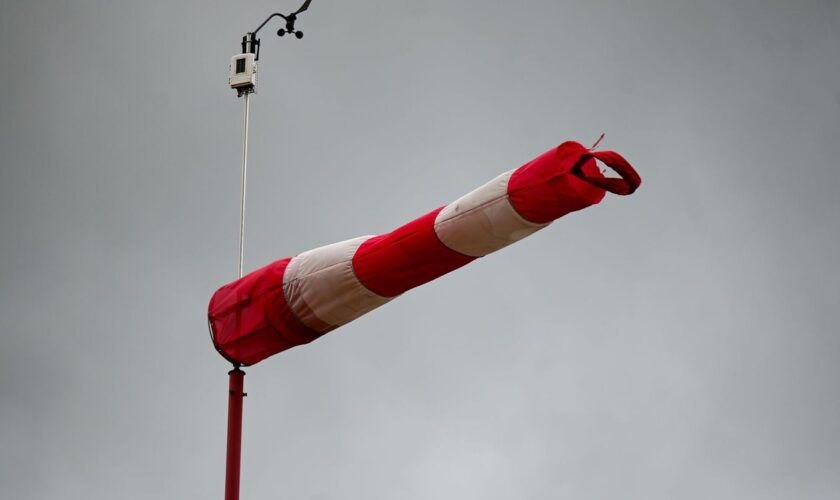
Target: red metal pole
<point>234,433</point>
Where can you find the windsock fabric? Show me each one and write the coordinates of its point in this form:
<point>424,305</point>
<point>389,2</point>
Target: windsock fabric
<point>296,300</point>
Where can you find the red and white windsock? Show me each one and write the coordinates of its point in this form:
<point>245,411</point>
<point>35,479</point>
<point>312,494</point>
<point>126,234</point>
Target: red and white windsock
<point>296,300</point>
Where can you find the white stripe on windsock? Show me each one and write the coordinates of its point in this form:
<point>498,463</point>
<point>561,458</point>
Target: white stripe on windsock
<point>483,220</point>
<point>322,289</point>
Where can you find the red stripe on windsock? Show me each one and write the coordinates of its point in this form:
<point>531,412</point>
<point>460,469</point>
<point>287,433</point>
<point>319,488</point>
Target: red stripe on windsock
<point>545,188</point>
<point>409,256</point>
<point>256,305</point>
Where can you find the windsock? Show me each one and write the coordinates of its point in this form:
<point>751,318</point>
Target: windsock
<point>295,300</point>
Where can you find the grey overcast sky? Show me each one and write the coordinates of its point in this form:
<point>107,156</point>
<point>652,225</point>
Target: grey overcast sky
<point>680,343</point>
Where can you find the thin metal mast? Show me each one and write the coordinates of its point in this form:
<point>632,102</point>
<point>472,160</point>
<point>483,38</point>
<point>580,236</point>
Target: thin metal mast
<point>243,187</point>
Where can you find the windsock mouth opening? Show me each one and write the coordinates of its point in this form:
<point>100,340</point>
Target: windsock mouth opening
<point>627,183</point>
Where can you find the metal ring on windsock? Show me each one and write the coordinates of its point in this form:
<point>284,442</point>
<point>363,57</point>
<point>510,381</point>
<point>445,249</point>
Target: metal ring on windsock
<point>296,300</point>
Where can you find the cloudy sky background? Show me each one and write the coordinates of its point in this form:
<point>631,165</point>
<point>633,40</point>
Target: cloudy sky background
<point>679,343</point>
